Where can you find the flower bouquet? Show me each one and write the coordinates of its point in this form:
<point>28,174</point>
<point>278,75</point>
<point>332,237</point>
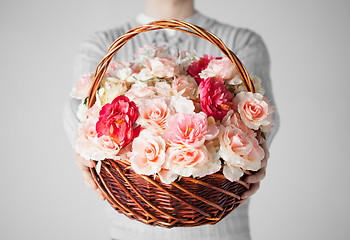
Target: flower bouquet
<point>171,135</point>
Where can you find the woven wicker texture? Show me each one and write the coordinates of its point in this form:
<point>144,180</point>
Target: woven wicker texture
<point>184,203</point>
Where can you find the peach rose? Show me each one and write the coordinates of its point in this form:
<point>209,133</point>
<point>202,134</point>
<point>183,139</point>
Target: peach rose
<point>161,67</point>
<point>86,134</point>
<point>212,129</point>
<point>211,166</point>
<point>223,68</point>
<point>233,119</point>
<point>148,153</point>
<point>185,161</point>
<point>85,113</point>
<point>140,91</point>
<point>89,146</point>
<point>256,155</point>
<point>82,87</point>
<point>119,71</point>
<point>240,150</point>
<point>151,51</point>
<point>144,75</point>
<point>253,109</point>
<point>181,104</point>
<point>167,176</point>
<point>93,112</point>
<point>89,129</point>
<point>185,85</point>
<point>108,147</point>
<point>232,172</point>
<point>163,89</point>
<point>154,113</point>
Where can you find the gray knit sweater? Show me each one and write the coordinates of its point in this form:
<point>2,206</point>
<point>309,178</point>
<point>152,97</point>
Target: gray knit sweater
<point>248,46</point>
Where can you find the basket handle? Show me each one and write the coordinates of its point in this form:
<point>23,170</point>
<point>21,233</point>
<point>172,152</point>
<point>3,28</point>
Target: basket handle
<point>169,24</point>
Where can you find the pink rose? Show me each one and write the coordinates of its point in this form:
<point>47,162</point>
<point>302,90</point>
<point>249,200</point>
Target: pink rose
<point>154,113</point>
<point>223,68</point>
<point>117,121</point>
<point>86,135</point>
<point>151,51</point>
<point>253,109</point>
<point>255,155</point>
<point>216,99</point>
<point>88,130</point>
<point>163,89</point>
<point>189,129</point>
<point>167,176</point>
<point>239,150</point>
<point>184,84</point>
<point>82,87</point>
<point>185,161</point>
<point>148,153</point>
<point>93,112</point>
<point>181,104</point>
<point>136,93</point>
<point>108,146</point>
<point>114,66</point>
<point>161,67</point>
<point>196,67</point>
<point>232,172</point>
<point>89,146</point>
<point>234,119</point>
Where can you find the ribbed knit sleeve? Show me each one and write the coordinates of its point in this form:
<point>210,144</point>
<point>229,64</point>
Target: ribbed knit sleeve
<point>251,49</point>
<point>90,53</point>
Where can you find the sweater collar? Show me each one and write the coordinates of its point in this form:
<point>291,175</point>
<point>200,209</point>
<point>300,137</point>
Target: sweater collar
<point>197,19</point>
<point>172,36</point>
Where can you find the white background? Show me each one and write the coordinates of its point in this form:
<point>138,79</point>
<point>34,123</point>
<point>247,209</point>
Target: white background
<point>305,194</point>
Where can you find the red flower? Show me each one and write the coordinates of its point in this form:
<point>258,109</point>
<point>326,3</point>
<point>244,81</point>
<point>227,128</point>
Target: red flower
<point>117,121</point>
<point>215,98</point>
<point>196,67</point>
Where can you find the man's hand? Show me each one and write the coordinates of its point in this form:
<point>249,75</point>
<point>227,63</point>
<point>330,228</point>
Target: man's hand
<point>84,166</point>
<point>255,179</point>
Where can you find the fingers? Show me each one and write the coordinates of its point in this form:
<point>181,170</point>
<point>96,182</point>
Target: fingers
<point>99,194</point>
<point>89,181</point>
<point>264,162</point>
<point>82,162</point>
<point>266,155</point>
<point>84,166</point>
<point>257,176</point>
<point>255,179</point>
<point>267,152</point>
<point>87,178</point>
<point>253,189</point>
<point>85,172</point>
<point>261,173</point>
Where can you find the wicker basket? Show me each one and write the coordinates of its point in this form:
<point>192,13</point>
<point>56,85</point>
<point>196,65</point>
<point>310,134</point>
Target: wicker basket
<point>184,203</point>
